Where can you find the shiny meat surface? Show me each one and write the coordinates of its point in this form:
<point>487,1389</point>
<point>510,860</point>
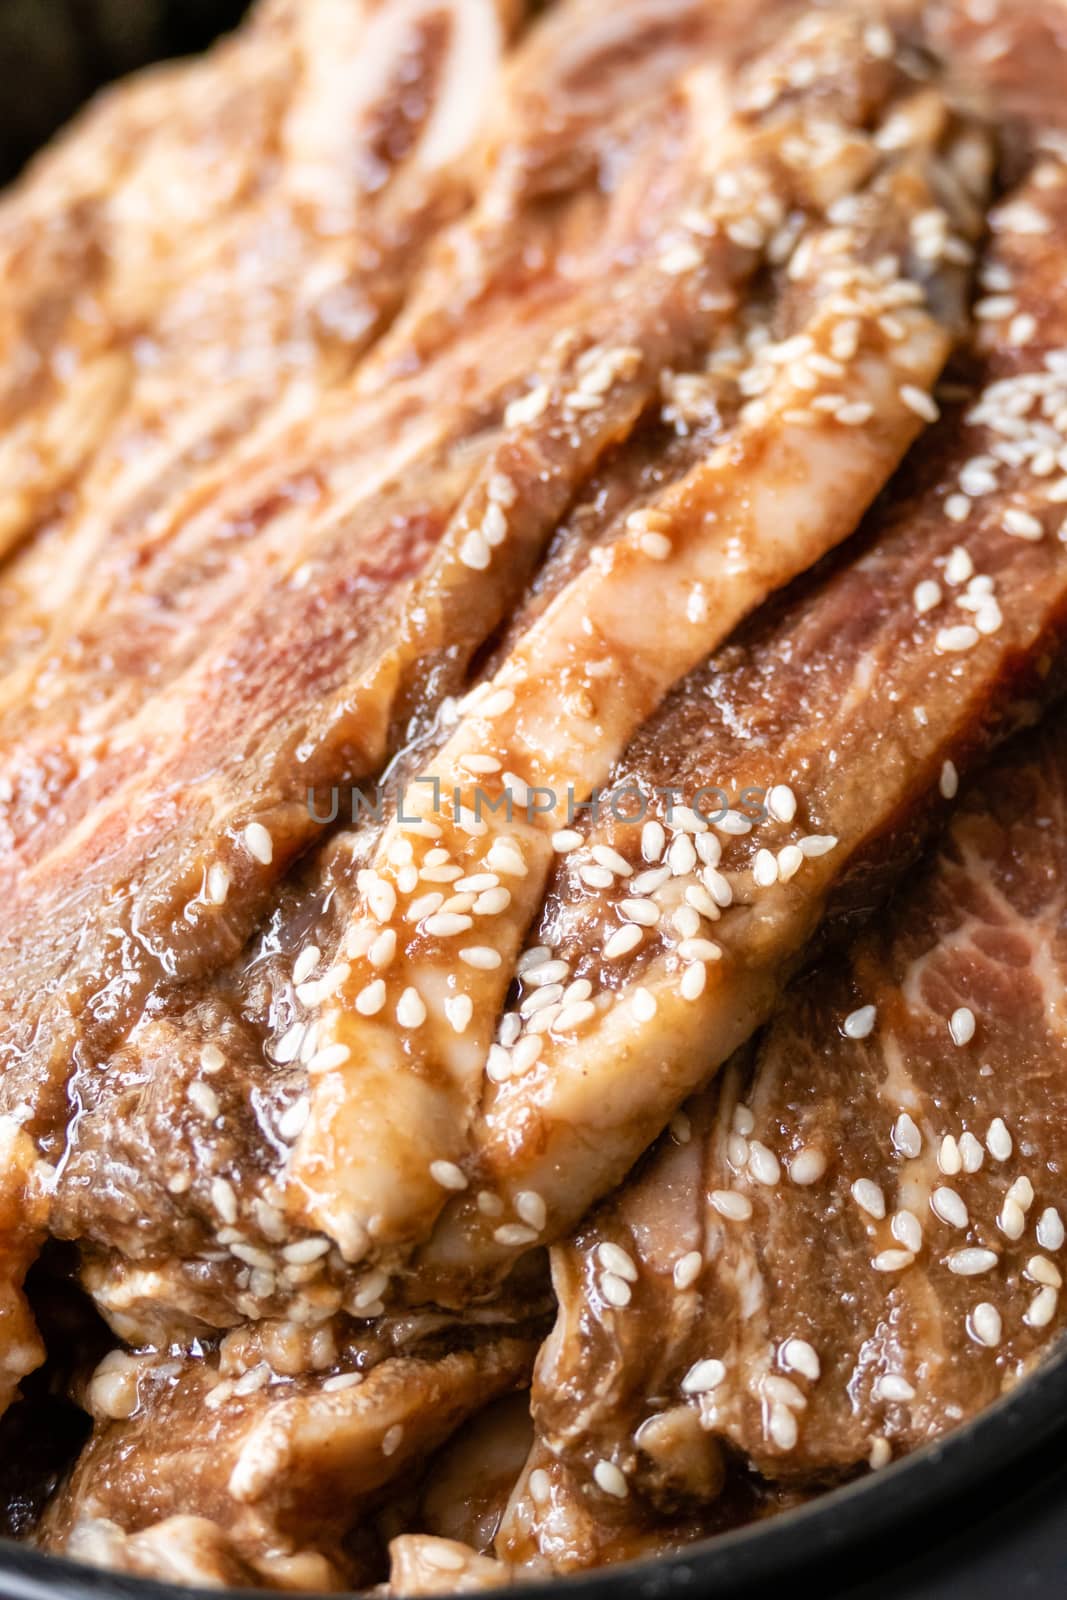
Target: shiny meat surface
<point>522,525</point>
<point>906,1102</point>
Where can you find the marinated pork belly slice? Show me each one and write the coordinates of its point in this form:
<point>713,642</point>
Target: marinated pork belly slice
<point>853,1243</point>
<point>282,1466</point>
<point>840,711</point>
<point>396,1083</point>
<point>225,696</point>
<point>249,221</point>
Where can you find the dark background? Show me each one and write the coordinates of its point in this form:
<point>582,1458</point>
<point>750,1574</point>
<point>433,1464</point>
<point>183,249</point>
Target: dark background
<point>54,53</point>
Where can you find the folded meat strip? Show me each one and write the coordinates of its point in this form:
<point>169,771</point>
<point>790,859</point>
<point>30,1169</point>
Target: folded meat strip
<point>852,1243</point>
<point>284,614</point>
<point>395,1083</point>
<point>283,1464</point>
<point>839,713</point>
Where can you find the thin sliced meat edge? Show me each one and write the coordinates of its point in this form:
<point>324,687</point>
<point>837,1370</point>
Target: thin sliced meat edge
<point>283,1467</point>
<point>849,701</point>
<point>396,1081</point>
<point>921,1140</point>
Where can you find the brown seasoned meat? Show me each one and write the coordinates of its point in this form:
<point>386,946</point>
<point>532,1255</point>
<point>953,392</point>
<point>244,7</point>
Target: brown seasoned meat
<point>835,712</point>
<point>852,1244</point>
<point>475,377</point>
<point>283,1463</point>
<point>396,1084</point>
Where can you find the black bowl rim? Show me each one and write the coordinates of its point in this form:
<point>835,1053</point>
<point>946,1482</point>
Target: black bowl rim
<point>825,1529</point>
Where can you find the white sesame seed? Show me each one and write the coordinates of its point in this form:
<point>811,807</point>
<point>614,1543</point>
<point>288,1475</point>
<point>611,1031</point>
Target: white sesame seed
<point>371,999</point>
<point>984,1325</point>
<point>728,1203</point>
<point>655,545</point>
<point>514,1234</point>
<point>383,949</point>
<point>483,957</point>
<point>782,1426</point>
<point>790,861</point>
<point>919,401</point>
<point>447,924</point>
<point>212,1059</point>
<point>566,839</point>
<point>807,1166</point>
<point>971,1263</point>
<point>204,1098</point>
<point>950,781</point>
<point>573,1016</point>
<point>699,950</point>
<point>782,803</point>
<point>258,842</point>
<point>499,701</point>
<point>906,1136</point>
<point>305,963</point>
<point>475,552</point>
<point>291,1123</point>
<point>859,1024</point>
<point>797,1355</point>
<point>765,869</point>
<point>961,1025</point>
<point>892,1260</point>
<point>687,1269</point>
<point>971,1153</point>
<point>616,1260</point>
<point>703,1376</point>
<point>329,1057</point>
<point>1012,1218</point>
<point>946,1204</point>
<point>907,1231</point>
<point>718,886</point>
<point>448,1175</point>
<point>1041,1270</point>
<point>926,595</point>
<point>610,1480</point>
<point>682,856</point>
<point>948,1156</point>
<point>531,1209</point>
<point>605,856</point>
<point>954,640</point>
<point>411,1009</point>
<point>957,508</point>
<point>693,981</point>
<point>287,1047</point>
<point>459,1009</point>
<point>1022,525</point>
<point>869,1197</point>
<point>224,1199</point>
<point>644,1005</point>
<point>815,844</point>
<point>616,1290</point>
<point>622,942</point>
<point>763,1164</point>
<point>893,1387</point>
<point>1042,1308</point>
<point>998,1140</point>
<point>653,840</point>
<point>644,912</point>
<point>218,884</point>
<point>1050,1230</point>
<point>959,566</point>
